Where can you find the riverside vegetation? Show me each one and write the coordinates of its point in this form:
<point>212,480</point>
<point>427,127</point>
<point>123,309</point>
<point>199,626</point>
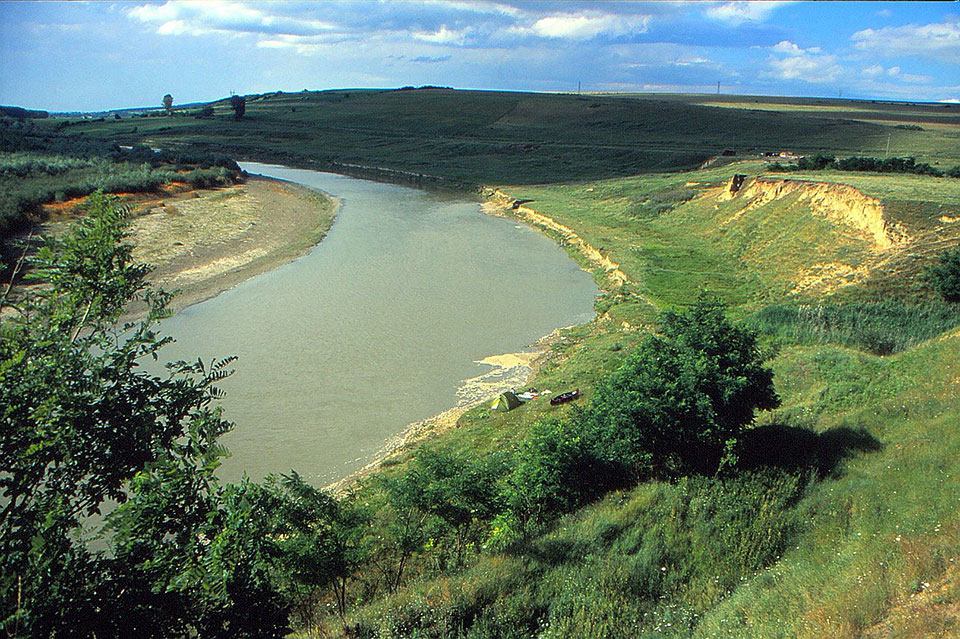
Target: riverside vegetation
<point>778,463</point>
<point>40,166</point>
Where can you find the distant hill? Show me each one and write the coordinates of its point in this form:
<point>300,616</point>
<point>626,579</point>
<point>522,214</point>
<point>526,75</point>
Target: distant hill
<point>22,114</point>
<point>484,137</point>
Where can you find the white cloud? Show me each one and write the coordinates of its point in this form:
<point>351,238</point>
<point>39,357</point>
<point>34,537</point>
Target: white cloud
<point>939,40</point>
<point>740,12</point>
<point>583,26</point>
<point>816,69</point>
<point>785,46</point>
<point>443,35</point>
<point>873,70</point>
<point>476,6</point>
<point>688,62</point>
<point>809,65</point>
<point>223,17</point>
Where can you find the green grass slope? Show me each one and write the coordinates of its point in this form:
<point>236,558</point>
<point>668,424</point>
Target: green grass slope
<point>841,519</point>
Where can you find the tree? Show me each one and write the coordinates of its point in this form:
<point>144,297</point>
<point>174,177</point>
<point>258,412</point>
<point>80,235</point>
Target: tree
<point>320,540</point>
<point>944,276</point>
<point>239,105</point>
<point>443,498</point>
<point>82,423</point>
<point>557,470</point>
<point>168,103</point>
<point>683,397</point>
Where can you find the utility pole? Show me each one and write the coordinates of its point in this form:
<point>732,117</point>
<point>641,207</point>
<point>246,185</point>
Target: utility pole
<point>718,87</point>
<point>578,87</point>
<point>888,147</point>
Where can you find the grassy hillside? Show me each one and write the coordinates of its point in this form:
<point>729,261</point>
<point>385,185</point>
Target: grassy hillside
<point>840,519</point>
<point>482,137</point>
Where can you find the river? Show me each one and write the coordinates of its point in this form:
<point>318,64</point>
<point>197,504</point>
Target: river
<point>376,327</point>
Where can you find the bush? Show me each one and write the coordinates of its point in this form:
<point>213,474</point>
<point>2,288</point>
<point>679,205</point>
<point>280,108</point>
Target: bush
<point>945,276</point>
<point>558,469</point>
<point>677,402</point>
<point>816,163</point>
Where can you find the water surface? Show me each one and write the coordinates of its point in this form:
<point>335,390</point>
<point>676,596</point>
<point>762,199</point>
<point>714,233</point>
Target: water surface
<point>376,327</point>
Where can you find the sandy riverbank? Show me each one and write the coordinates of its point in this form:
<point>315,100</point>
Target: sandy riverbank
<point>205,242</point>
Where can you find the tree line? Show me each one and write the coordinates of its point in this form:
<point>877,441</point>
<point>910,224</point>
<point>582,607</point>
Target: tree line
<point>820,162</point>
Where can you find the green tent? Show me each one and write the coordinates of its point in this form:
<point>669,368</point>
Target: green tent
<point>506,401</point>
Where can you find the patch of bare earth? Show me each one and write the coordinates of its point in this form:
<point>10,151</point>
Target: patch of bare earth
<point>204,242</point>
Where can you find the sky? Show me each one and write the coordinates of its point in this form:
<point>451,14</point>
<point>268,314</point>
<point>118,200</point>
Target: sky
<point>91,56</point>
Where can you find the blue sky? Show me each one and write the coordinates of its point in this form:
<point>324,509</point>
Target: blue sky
<point>102,55</point>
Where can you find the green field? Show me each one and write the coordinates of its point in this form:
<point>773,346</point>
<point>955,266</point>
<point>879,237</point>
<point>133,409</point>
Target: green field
<point>871,527</point>
<point>478,137</point>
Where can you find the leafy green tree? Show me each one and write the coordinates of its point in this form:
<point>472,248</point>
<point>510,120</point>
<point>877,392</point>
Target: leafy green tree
<point>83,424</point>
<point>684,396</point>
<point>557,470</point>
<point>443,501</point>
<point>168,103</point>
<point>945,275</point>
<point>320,539</point>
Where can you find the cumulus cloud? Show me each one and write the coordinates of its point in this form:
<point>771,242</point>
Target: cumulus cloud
<point>785,46</point>
<point>940,40</point>
<point>584,25</point>
<point>443,35</point>
<point>740,12</point>
<point>809,65</point>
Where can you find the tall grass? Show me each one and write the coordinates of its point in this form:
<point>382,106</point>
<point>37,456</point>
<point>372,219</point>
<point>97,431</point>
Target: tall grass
<point>648,561</point>
<point>882,328</point>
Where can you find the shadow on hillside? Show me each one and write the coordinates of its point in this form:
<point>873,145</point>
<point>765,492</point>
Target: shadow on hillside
<point>793,448</point>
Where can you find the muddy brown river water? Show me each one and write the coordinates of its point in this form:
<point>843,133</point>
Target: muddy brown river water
<point>377,327</point>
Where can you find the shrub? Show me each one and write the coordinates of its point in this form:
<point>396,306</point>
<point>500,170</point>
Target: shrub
<point>678,400</point>
<point>945,276</point>
<point>557,470</point>
<point>816,162</point>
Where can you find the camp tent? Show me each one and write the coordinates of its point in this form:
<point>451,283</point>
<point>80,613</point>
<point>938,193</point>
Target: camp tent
<point>506,401</point>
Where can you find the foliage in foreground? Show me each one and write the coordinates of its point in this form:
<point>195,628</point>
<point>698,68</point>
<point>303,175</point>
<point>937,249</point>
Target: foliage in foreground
<point>85,424</point>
